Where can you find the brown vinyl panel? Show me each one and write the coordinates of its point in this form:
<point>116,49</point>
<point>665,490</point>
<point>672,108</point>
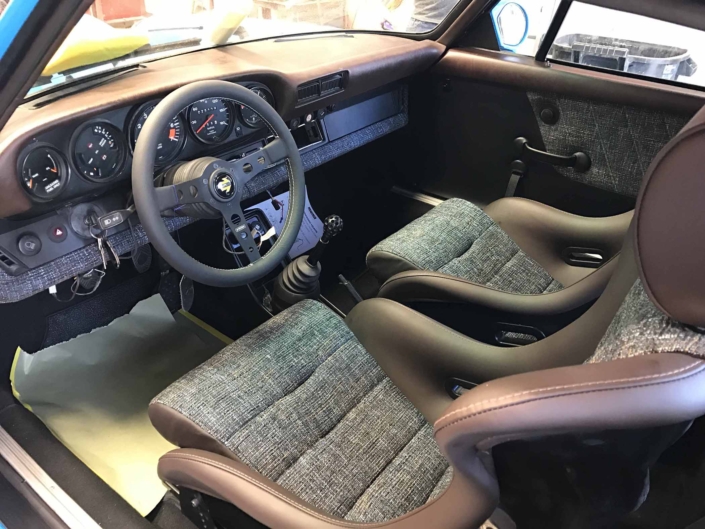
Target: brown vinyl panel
<point>526,73</point>
<point>370,60</point>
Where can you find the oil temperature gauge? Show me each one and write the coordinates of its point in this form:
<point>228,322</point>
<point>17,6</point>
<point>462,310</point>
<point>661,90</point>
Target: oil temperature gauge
<point>44,173</point>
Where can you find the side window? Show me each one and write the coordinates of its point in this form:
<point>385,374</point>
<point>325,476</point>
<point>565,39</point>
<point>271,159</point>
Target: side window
<point>602,38</point>
<point>605,38</point>
<point>521,24</point>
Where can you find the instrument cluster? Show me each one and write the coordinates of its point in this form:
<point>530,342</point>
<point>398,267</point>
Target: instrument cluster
<point>100,151</point>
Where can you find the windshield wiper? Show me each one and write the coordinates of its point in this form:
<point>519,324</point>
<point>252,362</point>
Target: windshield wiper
<point>77,85</point>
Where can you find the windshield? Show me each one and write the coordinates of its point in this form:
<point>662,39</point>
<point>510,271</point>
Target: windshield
<point>117,33</point>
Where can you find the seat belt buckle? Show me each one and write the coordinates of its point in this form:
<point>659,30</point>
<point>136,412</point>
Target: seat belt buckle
<point>518,170</point>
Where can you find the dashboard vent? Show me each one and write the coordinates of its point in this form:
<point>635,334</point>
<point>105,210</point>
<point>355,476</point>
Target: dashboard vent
<point>309,91</point>
<point>332,83</point>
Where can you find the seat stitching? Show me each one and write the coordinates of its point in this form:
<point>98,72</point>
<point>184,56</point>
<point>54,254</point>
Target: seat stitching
<point>566,386</point>
<point>602,390</point>
<point>504,265</point>
<point>437,482</point>
<point>374,479</point>
<point>326,434</point>
<point>301,383</point>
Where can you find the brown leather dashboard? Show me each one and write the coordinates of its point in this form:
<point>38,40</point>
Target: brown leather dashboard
<point>283,64</point>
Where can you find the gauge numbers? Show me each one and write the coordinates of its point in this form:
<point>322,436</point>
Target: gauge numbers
<point>171,139</point>
<point>44,173</point>
<point>211,120</point>
<point>99,152</point>
<point>248,116</point>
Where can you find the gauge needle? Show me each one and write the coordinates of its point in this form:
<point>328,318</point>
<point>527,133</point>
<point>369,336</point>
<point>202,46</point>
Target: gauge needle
<point>205,123</point>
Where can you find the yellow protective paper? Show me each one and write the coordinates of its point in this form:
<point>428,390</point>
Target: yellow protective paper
<point>93,41</point>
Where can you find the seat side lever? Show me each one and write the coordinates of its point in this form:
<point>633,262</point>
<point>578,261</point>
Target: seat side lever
<point>579,161</point>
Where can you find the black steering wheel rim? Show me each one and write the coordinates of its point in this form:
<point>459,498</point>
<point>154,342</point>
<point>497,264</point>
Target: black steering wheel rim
<point>147,202</point>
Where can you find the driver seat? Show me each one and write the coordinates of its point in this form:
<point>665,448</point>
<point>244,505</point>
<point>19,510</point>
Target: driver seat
<point>311,421</point>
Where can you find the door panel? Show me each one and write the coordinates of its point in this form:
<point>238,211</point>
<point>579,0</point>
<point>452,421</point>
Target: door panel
<point>466,113</point>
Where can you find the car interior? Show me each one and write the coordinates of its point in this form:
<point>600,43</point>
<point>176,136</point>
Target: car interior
<point>356,277</point>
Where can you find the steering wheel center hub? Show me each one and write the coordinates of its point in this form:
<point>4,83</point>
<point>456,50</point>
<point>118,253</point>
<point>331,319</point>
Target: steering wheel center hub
<point>223,185</point>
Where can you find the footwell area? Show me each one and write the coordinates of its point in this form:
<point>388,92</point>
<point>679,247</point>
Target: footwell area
<point>93,392</point>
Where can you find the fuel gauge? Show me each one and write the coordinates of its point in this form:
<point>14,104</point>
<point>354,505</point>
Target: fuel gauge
<point>44,173</point>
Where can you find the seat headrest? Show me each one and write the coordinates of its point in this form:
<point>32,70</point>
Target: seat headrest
<point>670,226</point>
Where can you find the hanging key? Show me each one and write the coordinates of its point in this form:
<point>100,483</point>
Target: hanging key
<point>101,249</point>
<point>113,253</point>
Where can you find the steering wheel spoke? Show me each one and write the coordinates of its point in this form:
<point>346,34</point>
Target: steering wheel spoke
<point>235,218</point>
<point>177,195</point>
<point>248,167</point>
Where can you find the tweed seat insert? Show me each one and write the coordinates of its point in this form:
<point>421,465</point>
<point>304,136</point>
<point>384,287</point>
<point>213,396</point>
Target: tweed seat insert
<point>300,401</point>
<point>459,239</point>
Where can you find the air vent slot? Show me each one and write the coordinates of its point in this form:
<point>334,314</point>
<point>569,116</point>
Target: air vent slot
<point>8,263</point>
<point>332,83</point>
<point>309,91</point>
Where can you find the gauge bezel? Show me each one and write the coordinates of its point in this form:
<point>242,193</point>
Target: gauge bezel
<point>233,118</point>
<point>252,87</point>
<point>120,137</point>
<point>132,120</point>
<point>64,169</point>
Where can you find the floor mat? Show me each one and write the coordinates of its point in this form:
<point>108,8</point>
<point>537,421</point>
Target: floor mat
<point>93,391</point>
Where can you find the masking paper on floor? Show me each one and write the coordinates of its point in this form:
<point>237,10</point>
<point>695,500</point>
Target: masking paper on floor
<point>93,392</point>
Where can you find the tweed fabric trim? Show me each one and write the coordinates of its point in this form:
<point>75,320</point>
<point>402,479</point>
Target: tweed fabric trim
<point>457,238</point>
<point>640,328</point>
<point>15,288</point>
<point>300,401</point>
<point>620,140</point>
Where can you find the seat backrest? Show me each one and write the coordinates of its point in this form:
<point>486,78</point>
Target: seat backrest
<point>579,440</point>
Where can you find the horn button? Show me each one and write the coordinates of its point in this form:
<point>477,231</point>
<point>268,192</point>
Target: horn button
<point>223,186</point>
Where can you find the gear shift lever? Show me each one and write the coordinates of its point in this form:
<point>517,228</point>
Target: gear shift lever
<point>332,226</point>
<point>299,280</point>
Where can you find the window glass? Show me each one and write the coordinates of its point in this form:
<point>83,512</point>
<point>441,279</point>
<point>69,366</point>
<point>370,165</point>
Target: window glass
<point>115,33</point>
<point>609,39</point>
<point>521,24</point>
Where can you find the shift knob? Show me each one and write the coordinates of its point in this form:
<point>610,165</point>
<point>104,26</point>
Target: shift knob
<point>332,226</point>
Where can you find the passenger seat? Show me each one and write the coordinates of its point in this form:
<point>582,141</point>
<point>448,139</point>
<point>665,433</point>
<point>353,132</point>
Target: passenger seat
<point>459,253</point>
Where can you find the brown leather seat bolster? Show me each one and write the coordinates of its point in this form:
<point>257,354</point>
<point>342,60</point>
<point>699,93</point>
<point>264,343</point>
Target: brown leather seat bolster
<point>464,504</point>
<point>635,392</point>
<point>433,286</point>
<point>182,431</point>
<point>544,232</point>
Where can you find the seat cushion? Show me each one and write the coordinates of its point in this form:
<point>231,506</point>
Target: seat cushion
<point>300,401</point>
<point>457,238</point>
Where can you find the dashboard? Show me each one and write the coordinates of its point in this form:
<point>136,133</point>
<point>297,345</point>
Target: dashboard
<point>66,157</point>
<point>72,161</point>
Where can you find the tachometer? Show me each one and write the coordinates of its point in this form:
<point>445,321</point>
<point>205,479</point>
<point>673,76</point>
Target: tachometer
<point>171,139</point>
<point>99,151</point>
<point>211,120</point>
<point>248,116</point>
<point>44,173</point>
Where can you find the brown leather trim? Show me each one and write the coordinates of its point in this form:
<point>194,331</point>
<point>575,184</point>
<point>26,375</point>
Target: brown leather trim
<point>634,392</point>
<point>433,286</point>
<point>464,504</point>
<point>282,64</point>
<point>183,432</point>
<point>544,232</point>
<point>527,74</point>
<point>420,355</point>
<point>386,264</point>
<point>670,225</point>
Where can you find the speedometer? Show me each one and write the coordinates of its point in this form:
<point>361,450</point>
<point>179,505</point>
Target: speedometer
<point>99,151</point>
<point>211,120</point>
<point>171,139</point>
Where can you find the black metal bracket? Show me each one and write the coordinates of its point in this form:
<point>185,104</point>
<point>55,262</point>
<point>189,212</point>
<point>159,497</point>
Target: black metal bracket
<point>579,161</point>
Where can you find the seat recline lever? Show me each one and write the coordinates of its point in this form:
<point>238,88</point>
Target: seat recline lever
<point>579,161</point>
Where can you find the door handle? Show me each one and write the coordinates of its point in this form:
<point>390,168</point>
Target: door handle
<point>579,161</point>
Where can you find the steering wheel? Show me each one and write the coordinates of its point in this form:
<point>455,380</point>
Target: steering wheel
<point>214,187</point>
